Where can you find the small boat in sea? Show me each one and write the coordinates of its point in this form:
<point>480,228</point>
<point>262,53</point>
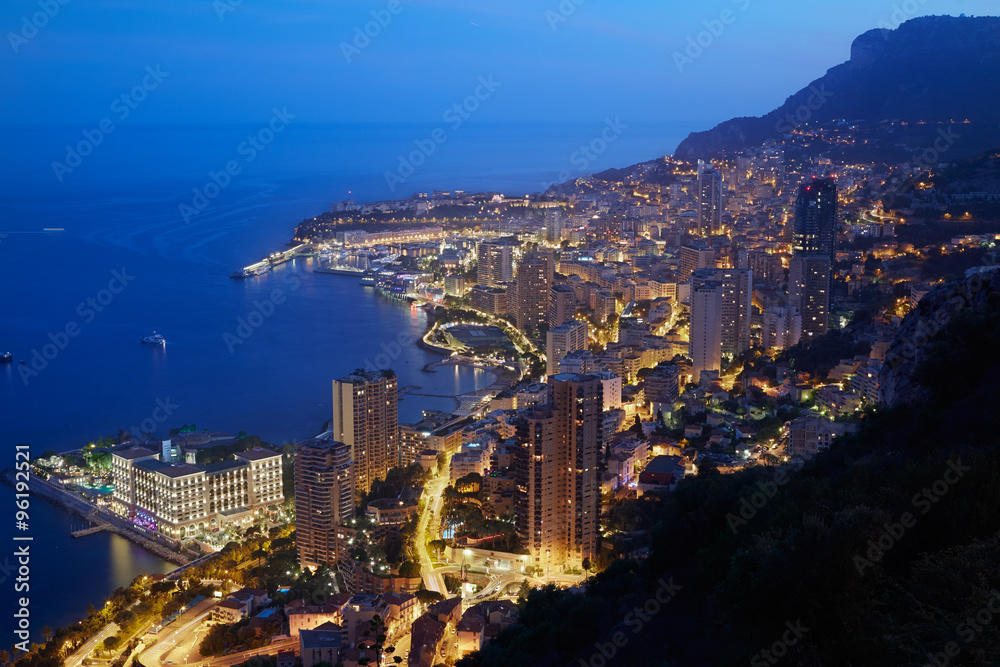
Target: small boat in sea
<point>238,275</point>
<point>155,339</point>
<point>6,358</point>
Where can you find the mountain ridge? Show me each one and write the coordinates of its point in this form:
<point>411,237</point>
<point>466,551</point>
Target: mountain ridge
<point>932,69</point>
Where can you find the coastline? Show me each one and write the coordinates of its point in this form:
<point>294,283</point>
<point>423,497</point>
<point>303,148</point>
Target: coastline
<point>64,500</point>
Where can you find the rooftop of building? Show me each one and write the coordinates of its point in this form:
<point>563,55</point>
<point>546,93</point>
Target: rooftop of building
<point>326,636</point>
<point>134,453</point>
<point>172,470</point>
<point>258,454</point>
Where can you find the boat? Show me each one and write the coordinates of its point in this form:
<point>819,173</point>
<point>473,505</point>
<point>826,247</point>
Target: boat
<point>6,358</point>
<point>238,275</point>
<point>155,339</point>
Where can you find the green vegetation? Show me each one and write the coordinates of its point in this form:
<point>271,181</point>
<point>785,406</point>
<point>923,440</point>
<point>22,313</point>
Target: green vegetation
<point>218,453</point>
<point>395,481</point>
<point>882,546</point>
<point>473,517</point>
<point>823,354</point>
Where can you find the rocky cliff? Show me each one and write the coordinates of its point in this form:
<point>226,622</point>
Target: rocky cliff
<point>922,326</point>
<point>932,70</point>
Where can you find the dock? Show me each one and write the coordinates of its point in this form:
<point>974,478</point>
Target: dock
<point>83,532</point>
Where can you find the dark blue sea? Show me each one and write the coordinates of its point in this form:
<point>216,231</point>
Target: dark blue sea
<point>74,304</point>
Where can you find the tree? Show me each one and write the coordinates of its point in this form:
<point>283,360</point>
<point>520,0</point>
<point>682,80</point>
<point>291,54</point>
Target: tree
<point>111,643</point>
<point>428,597</point>
<point>523,591</point>
<point>409,569</point>
<point>375,635</point>
<point>46,633</point>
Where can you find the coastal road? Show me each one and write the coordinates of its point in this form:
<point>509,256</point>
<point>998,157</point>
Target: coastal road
<point>238,658</point>
<point>84,651</point>
<point>179,642</point>
<point>432,511</point>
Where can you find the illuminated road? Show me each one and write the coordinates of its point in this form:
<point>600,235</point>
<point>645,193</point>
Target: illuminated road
<point>77,658</point>
<point>433,581</point>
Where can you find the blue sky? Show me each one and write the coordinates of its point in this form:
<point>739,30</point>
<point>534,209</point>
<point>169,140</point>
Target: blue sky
<point>554,61</point>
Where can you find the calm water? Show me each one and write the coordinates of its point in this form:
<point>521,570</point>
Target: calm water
<point>128,263</point>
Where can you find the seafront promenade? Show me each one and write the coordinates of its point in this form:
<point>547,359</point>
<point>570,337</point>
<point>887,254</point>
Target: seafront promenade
<point>102,518</point>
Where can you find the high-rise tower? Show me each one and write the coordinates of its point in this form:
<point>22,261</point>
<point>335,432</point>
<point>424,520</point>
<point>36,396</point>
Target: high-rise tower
<point>365,417</point>
<point>559,447</point>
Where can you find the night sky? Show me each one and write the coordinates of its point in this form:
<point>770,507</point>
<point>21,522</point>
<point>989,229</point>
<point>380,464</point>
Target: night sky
<point>235,60</point>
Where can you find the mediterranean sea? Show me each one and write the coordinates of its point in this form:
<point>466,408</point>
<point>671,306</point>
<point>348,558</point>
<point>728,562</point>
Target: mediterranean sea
<point>128,262</point>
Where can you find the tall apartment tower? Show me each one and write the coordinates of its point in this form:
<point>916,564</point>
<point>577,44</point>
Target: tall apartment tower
<point>693,257</point>
<point>557,503</point>
<point>705,340</point>
<point>710,199</point>
<point>809,277</point>
<point>562,304</point>
<point>815,229</point>
<point>561,340</point>
<point>720,316</point>
<point>496,262</point>
<point>535,275</point>
<point>365,417</point>
<point>324,500</point>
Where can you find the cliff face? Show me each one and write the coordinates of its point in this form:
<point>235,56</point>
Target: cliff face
<point>932,314</point>
<point>932,69</point>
